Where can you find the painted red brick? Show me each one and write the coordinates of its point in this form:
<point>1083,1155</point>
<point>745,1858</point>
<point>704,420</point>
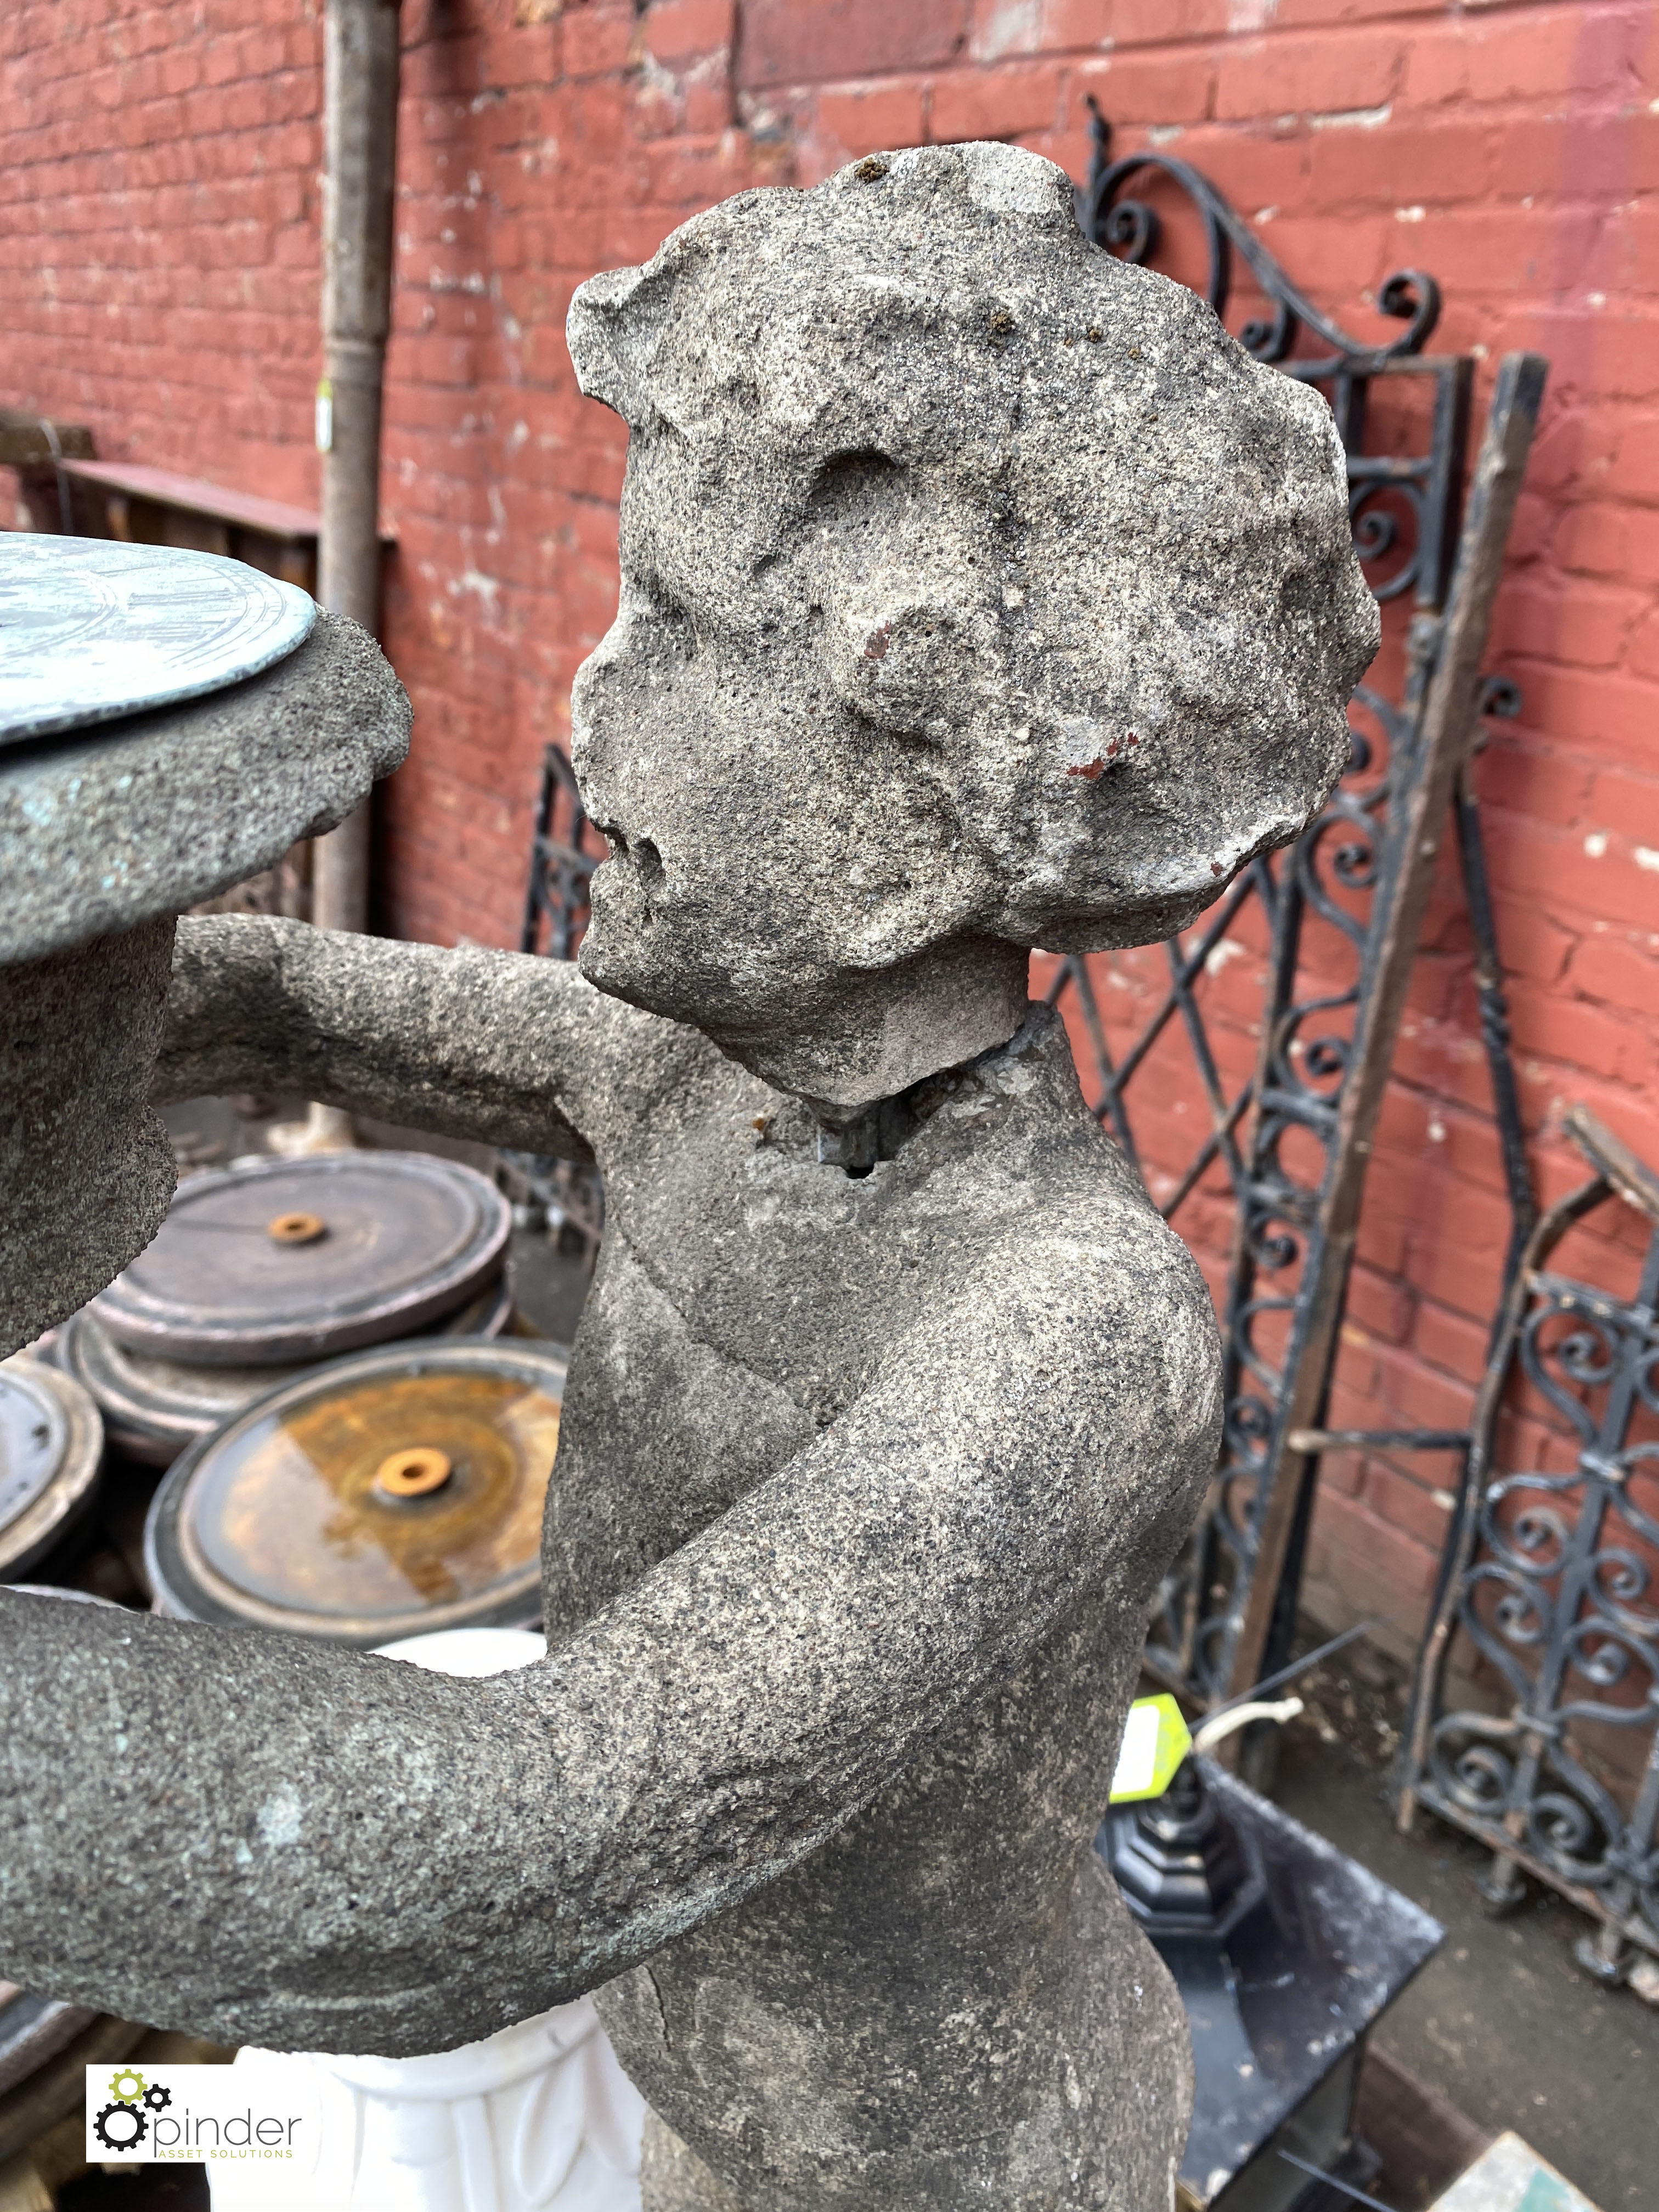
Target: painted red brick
<point>1409,1506</point>
<point>860,119</point>
<point>1619,969</point>
<point>784,43</point>
<point>1335,72</point>
<point>1142,87</point>
<point>1013,101</point>
<point>678,32</point>
<point>1374,1568</point>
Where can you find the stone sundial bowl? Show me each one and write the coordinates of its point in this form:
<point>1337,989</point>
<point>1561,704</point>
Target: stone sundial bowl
<point>170,723</point>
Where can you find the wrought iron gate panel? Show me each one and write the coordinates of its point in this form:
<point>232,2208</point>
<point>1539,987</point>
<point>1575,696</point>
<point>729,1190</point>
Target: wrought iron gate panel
<point>1274,1135</point>
<point>1552,1580</point>
<point>570,1193</point>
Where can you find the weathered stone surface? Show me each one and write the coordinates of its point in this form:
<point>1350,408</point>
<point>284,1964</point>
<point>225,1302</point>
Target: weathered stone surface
<point>865,1478</point>
<point>673,2179</point>
<point>102,831</point>
<point>979,592</point>
<point>103,838</point>
<point>86,1170</point>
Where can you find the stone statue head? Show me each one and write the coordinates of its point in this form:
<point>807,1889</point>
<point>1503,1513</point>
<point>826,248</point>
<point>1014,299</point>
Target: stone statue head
<point>979,593</point>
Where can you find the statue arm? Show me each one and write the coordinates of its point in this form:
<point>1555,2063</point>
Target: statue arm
<point>493,1046</point>
<point>261,1838</point>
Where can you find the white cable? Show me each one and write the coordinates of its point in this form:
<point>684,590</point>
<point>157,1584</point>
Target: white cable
<point>1222,1725</point>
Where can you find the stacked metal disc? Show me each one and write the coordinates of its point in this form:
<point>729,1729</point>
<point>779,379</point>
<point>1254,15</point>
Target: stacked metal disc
<point>381,1496</point>
<point>51,1451</point>
<point>315,1345</point>
<point>261,1271</point>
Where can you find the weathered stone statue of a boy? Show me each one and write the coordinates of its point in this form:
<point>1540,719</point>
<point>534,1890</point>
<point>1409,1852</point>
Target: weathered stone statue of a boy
<point>978,593</point>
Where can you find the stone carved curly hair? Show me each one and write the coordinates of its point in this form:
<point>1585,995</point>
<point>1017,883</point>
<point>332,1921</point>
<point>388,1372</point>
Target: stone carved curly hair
<point>1044,523</point>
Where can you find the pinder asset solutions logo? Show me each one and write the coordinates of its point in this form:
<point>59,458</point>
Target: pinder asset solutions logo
<point>215,2115</point>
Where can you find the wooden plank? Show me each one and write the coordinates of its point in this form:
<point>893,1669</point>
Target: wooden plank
<point>1451,717</point>
<point>275,518</point>
<point>25,439</point>
<point>1633,1178</point>
<point>1424,2141</point>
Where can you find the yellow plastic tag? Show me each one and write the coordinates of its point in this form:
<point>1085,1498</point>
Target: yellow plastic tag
<point>1155,1739</point>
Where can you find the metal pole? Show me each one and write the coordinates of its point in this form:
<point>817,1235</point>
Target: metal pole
<point>360,98</point>
<point>360,87</point>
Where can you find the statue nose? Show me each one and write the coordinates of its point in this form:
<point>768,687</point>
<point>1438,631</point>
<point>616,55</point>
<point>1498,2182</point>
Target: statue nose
<point>597,696</point>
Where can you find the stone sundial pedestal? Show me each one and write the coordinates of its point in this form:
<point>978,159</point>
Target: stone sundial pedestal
<point>170,722</point>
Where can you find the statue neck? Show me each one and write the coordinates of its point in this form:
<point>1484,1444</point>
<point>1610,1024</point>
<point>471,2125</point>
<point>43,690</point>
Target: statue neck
<point>873,1033</point>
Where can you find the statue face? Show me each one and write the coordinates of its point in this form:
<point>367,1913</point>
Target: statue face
<point>770,847</point>
<point>801,734</point>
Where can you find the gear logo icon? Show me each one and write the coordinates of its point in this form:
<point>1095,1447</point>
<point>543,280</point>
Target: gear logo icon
<point>120,2092</point>
<point>158,2097</point>
<point>121,2126</point>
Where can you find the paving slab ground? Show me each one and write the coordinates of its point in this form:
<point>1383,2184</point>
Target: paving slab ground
<point>1501,2022</point>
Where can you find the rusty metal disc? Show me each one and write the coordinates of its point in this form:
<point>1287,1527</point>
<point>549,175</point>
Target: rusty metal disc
<point>285,1517</point>
<point>51,1450</point>
<point>152,1407</point>
<point>405,1238</point>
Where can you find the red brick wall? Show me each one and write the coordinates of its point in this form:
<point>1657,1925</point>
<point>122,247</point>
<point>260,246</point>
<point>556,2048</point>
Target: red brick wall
<point>158,241</point>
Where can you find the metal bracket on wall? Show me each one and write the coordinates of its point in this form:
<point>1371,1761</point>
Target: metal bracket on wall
<point>1226,1614</point>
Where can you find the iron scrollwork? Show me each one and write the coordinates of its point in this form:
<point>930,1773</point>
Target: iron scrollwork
<point>561,866</point>
<point>1549,1590</point>
<point>1275,1135</point>
<point>1129,228</point>
<point>1425,484</point>
<point>567,1194</point>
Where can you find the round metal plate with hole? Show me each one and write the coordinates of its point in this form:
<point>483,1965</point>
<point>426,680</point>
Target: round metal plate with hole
<point>152,1407</point>
<point>396,1491</point>
<point>91,630</point>
<point>230,1281</point>
<point>52,1450</point>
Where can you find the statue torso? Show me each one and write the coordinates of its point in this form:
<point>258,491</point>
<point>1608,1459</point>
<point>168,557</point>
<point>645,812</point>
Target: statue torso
<point>958,1933</point>
<point>748,1290</point>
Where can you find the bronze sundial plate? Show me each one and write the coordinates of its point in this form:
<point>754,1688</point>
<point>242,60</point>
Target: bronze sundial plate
<point>393,1242</point>
<point>395,1491</point>
<point>51,1448</point>
<point>91,630</point>
<point>153,1407</point>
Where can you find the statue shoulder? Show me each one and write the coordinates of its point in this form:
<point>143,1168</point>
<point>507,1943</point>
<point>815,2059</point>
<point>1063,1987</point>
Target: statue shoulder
<point>1101,1310</point>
